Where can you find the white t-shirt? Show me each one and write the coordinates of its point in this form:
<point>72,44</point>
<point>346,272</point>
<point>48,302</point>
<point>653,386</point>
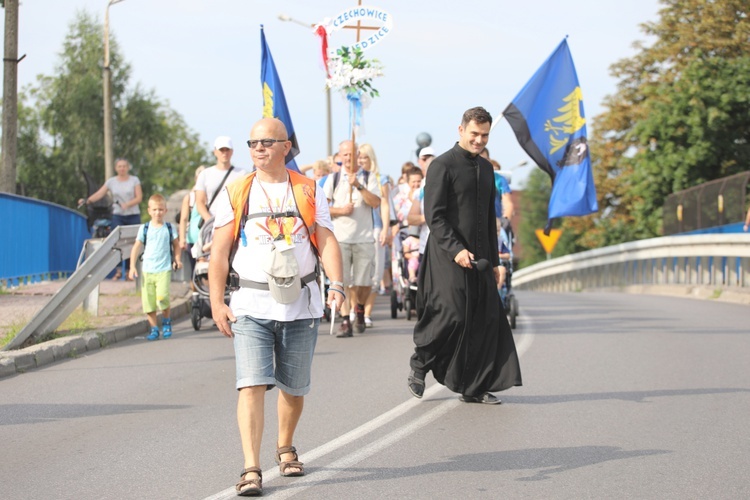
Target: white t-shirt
<point>357,227</point>
<point>123,192</point>
<point>259,233</point>
<point>210,179</point>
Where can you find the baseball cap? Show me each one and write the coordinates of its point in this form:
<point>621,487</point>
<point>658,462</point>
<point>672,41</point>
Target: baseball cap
<point>428,151</point>
<point>223,141</point>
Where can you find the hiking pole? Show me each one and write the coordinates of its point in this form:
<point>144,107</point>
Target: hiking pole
<point>333,315</point>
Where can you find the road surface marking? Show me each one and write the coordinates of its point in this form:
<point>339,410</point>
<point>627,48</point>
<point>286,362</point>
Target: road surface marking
<point>525,341</point>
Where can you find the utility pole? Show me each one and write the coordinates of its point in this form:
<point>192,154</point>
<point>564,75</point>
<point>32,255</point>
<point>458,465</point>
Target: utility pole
<point>329,132</point>
<point>107,79</point>
<point>10,99</point>
<point>109,157</point>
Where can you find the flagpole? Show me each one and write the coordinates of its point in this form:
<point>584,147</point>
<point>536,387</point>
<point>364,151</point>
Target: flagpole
<point>353,119</point>
<point>496,121</point>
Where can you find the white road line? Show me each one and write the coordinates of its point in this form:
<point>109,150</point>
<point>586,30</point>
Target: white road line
<point>527,337</point>
<point>523,344</point>
<point>344,439</point>
<point>358,456</point>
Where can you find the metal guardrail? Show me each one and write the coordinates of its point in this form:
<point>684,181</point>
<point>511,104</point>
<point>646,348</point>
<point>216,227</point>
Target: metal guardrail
<point>721,260</point>
<point>98,259</point>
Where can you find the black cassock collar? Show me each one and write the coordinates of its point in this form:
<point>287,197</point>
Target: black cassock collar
<point>463,153</point>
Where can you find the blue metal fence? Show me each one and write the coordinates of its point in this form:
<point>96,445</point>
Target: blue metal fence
<point>41,240</point>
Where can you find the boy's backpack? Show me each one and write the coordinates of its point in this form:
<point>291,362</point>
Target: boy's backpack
<point>145,239</point>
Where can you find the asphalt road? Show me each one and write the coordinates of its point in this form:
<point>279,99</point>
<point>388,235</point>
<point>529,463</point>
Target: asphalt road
<point>624,396</point>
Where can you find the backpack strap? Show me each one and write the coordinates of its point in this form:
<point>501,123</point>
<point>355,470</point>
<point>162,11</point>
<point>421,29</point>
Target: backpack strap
<point>145,239</point>
<point>171,247</point>
<point>303,191</point>
<point>216,193</point>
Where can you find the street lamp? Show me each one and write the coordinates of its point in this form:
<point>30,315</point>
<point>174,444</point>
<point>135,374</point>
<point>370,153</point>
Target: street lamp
<point>284,17</point>
<point>109,160</point>
<point>329,134</point>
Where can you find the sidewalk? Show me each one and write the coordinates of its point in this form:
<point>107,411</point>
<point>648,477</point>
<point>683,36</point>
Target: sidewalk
<point>120,317</point>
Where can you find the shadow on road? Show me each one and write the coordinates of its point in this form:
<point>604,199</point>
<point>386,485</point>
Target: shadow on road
<point>541,462</point>
<point>14,414</point>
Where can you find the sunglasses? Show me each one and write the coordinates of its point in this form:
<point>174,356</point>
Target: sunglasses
<point>267,143</point>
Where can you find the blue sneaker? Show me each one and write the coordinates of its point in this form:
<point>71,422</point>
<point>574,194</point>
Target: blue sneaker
<point>154,335</point>
<point>166,328</point>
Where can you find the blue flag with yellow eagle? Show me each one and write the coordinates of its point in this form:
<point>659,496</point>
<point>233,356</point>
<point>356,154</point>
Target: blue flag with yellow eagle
<point>550,125</point>
<point>274,103</point>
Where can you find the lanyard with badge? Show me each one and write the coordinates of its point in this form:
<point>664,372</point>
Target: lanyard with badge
<point>280,224</point>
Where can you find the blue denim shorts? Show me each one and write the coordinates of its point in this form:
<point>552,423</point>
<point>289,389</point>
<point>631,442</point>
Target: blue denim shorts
<point>275,353</point>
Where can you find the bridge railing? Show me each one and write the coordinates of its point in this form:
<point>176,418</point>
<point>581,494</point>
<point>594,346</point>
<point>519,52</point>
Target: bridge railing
<point>42,240</point>
<point>721,260</point>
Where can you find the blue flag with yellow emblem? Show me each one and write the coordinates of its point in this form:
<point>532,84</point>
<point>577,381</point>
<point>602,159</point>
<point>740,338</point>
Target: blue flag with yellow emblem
<point>274,103</point>
<point>550,125</point>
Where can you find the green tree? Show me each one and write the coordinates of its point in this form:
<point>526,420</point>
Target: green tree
<point>678,118</point>
<point>534,204</point>
<point>697,129</point>
<point>60,125</point>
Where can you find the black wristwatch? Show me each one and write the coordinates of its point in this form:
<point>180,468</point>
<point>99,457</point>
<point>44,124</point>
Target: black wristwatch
<point>359,187</point>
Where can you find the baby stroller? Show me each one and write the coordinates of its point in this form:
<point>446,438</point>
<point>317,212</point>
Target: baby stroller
<point>404,292</point>
<point>200,305</point>
<point>507,297</point>
<point>98,213</point>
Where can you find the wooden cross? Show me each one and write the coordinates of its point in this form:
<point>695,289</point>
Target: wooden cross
<point>359,26</point>
<point>359,29</point>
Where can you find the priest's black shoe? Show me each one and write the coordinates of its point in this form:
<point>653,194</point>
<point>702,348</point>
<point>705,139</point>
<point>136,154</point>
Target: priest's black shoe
<point>416,385</point>
<point>486,398</point>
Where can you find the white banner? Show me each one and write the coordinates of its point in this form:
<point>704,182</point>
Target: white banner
<point>368,16</point>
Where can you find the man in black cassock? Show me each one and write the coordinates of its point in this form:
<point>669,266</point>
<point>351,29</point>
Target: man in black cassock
<point>462,334</point>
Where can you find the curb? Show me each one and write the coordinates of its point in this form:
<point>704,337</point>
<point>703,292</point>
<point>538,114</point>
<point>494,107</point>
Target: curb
<point>23,360</point>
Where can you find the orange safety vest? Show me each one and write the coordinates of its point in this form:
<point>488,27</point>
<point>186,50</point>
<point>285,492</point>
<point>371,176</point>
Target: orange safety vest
<point>303,190</point>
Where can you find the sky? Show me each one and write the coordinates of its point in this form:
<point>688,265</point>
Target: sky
<point>440,58</point>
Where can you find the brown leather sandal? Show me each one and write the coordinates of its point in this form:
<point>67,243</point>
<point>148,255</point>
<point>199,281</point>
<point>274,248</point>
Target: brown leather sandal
<point>250,487</point>
<point>291,464</point>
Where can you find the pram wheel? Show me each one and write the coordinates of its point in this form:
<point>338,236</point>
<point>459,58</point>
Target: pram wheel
<point>195,317</point>
<point>408,306</point>
<point>512,310</point>
<point>394,304</point>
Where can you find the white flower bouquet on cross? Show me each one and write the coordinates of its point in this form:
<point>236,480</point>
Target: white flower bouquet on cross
<point>351,73</point>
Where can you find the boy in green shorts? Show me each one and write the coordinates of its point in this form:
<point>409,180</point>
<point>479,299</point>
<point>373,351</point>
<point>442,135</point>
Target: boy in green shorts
<point>161,251</point>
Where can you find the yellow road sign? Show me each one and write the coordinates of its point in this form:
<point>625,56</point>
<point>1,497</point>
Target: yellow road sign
<point>548,242</point>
